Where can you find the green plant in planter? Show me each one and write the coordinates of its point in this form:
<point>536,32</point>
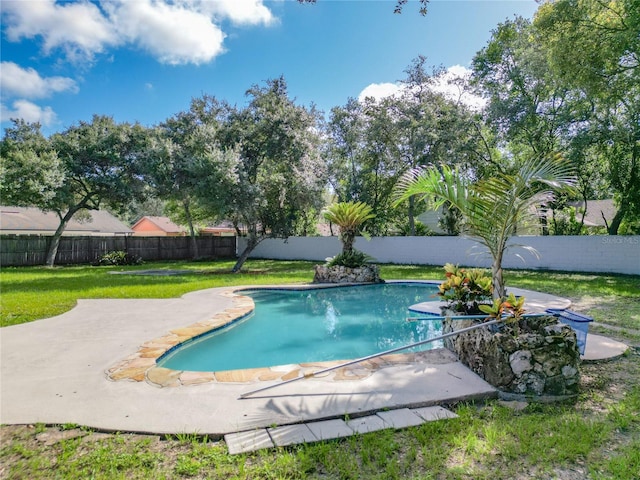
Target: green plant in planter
<point>349,216</point>
<point>510,308</point>
<point>465,290</point>
<point>353,259</point>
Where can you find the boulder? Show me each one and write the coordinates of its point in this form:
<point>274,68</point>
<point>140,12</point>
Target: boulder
<point>341,274</point>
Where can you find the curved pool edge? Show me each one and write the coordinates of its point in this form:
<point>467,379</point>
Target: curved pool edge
<point>142,365</point>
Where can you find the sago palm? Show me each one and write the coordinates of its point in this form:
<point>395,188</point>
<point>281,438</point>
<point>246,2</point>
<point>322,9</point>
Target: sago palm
<point>491,208</point>
<point>349,216</point>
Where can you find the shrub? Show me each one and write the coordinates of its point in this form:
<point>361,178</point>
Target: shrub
<point>421,230</point>
<point>119,257</point>
<point>464,290</point>
<point>351,259</point>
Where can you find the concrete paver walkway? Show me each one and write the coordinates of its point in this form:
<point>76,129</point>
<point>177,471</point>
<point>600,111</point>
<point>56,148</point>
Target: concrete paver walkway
<point>252,440</point>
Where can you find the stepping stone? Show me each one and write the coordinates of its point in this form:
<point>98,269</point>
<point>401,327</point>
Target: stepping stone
<point>291,435</point>
<point>329,429</point>
<point>428,308</point>
<point>400,418</point>
<point>599,348</point>
<point>243,442</point>
<point>371,423</point>
<point>431,414</point>
<point>96,437</point>
<point>51,437</point>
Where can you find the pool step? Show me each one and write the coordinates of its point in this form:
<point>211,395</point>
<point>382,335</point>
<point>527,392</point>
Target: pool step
<point>243,442</point>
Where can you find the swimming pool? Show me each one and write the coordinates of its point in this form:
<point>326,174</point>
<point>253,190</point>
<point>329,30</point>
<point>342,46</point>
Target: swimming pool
<point>293,326</point>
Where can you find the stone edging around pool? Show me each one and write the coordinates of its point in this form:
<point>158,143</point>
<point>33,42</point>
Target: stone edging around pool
<point>142,366</point>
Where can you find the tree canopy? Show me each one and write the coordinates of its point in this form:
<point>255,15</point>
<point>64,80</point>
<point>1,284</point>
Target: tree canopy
<point>552,89</point>
<point>183,161</point>
<point>30,170</point>
<point>278,174</point>
<point>90,165</point>
<point>371,143</point>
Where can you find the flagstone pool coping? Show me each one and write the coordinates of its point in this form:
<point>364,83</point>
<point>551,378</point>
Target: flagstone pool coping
<point>142,365</point>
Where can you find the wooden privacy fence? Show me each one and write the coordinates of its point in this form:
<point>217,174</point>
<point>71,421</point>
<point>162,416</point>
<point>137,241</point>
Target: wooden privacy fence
<point>20,250</point>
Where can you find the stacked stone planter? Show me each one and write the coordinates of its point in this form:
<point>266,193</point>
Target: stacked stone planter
<point>537,357</point>
<point>340,274</point>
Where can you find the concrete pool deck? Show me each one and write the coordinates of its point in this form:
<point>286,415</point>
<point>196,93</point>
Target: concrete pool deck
<point>56,371</point>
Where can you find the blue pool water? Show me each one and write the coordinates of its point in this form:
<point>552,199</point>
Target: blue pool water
<point>299,326</point>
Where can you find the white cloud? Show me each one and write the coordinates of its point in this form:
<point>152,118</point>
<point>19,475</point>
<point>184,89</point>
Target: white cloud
<point>29,112</point>
<point>171,33</point>
<point>379,91</point>
<point>242,12</point>
<point>451,84</point>
<point>27,83</point>
<point>79,28</point>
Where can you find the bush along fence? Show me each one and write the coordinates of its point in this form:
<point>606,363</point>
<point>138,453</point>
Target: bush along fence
<point>23,250</point>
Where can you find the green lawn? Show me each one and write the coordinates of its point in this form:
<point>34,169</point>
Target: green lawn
<point>32,293</point>
<point>596,437</point>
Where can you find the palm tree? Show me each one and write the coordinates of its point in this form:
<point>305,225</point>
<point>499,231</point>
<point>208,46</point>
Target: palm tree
<point>349,216</point>
<point>491,208</point>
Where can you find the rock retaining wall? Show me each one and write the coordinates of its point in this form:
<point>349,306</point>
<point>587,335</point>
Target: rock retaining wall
<point>340,274</point>
<point>538,356</point>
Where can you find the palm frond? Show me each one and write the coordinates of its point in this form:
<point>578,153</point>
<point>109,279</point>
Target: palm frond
<point>492,208</point>
<point>437,185</point>
<point>348,215</point>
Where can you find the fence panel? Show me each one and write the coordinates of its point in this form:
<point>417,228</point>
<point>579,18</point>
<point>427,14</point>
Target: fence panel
<point>586,253</point>
<point>616,254</point>
<point>22,250</point>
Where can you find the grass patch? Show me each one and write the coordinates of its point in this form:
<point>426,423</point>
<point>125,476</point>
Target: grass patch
<point>32,293</point>
<point>610,299</point>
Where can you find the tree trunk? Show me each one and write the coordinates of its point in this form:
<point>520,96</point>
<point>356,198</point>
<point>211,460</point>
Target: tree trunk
<point>544,221</point>
<point>584,212</point>
<point>55,240</point>
<point>348,239</point>
<point>627,197</point>
<point>192,231</point>
<point>496,278</point>
<point>412,220</point>
<point>612,229</point>
<point>252,243</point>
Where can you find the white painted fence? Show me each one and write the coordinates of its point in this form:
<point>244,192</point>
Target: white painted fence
<point>613,254</point>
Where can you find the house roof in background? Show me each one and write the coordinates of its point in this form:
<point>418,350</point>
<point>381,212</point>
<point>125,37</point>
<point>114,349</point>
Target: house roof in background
<point>595,211</point>
<point>31,220</point>
<point>163,223</point>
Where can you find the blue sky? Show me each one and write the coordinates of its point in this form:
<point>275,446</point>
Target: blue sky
<point>143,60</point>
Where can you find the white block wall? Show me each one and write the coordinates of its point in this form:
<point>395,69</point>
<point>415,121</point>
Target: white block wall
<point>612,254</point>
